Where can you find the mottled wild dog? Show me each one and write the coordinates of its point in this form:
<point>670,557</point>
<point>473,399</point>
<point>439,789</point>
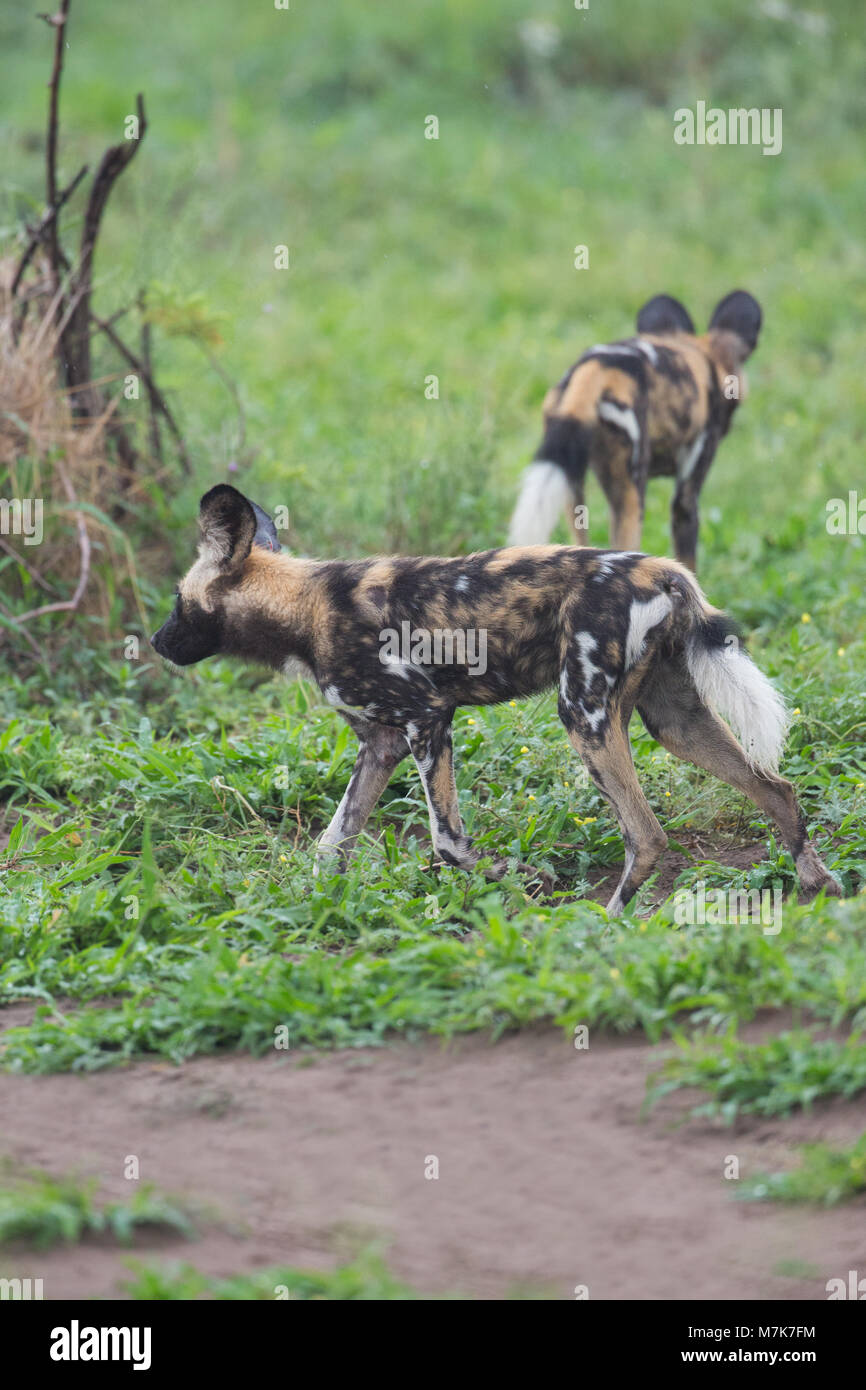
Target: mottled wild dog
<point>613,631</point>
<point>651,406</point>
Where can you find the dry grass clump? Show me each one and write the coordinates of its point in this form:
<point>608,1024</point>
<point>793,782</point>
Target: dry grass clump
<point>52,455</point>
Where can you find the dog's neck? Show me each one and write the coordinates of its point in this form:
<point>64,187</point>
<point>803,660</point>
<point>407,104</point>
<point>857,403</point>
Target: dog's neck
<point>270,613</point>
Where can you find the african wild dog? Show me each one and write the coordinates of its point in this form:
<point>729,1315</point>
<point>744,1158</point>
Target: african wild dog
<point>655,405</point>
<point>613,631</point>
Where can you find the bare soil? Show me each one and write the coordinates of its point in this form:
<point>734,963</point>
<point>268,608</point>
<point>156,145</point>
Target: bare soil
<point>708,845</point>
<point>548,1178</point>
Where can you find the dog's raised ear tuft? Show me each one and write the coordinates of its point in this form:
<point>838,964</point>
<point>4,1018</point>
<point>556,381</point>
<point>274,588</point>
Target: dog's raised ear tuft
<point>227,525</point>
<point>664,314</point>
<point>738,313</point>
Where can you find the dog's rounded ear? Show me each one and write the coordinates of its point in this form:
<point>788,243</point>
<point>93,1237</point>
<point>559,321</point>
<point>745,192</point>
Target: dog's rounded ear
<point>227,525</point>
<point>664,314</point>
<point>266,532</point>
<point>740,314</point>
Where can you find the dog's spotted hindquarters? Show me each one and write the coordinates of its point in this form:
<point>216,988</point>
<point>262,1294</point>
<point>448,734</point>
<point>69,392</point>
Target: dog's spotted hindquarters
<point>650,406</point>
<point>610,631</point>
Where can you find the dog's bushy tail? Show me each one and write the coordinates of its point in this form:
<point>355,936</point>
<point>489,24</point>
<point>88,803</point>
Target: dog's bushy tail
<point>552,482</point>
<point>729,682</point>
<point>544,495</point>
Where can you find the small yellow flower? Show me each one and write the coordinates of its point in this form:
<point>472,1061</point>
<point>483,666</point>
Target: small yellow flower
<point>524,749</point>
<point>797,710</point>
<point>841,651</point>
<point>577,820</point>
<point>513,704</point>
<point>614,974</point>
<point>470,721</point>
<point>590,820</point>
<point>806,618</point>
<point>284,859</point>
<point>565,784</point>
<point>667,793</point>
<point>860,785</point>
<point>531,797</point>
<point>246,883</point>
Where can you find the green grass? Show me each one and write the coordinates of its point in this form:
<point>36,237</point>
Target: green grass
<point>42,1211</point>
<point>791,1071</point>
<point>187,908</point>
<point>825,1177</point>
<point>160,860</point>
<point>366,1278</point>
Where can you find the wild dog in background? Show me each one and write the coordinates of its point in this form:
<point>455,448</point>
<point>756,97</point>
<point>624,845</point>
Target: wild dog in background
<point>651,406</point>
<point>612,631</point>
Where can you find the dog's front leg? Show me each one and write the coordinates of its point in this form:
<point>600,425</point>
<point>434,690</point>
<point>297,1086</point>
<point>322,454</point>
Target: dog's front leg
<point>433,752</point>
<point>380,751</point>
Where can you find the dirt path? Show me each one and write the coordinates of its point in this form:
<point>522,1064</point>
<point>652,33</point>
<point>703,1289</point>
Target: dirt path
<point>546,1176</point>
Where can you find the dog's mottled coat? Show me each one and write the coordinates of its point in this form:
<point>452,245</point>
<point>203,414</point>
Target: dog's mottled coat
<point>611,631</point>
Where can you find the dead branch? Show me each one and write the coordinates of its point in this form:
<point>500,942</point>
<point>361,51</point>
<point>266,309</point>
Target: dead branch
<point>158,400</point>
<point>153,413</point>
<point>75,345</point>
<point>59,22</point>
<point>38,233</point>
<point>118,314</point>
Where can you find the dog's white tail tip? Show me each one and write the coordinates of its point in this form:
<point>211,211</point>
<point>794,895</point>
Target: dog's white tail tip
<point>544,496</point>
<point>729,681</point>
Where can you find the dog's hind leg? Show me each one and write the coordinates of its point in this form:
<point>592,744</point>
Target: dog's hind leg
<point>674,713</point>
<point>615,460</point>
<point>609,763</point>
<point>575,512</point>
<point>381,750</point>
